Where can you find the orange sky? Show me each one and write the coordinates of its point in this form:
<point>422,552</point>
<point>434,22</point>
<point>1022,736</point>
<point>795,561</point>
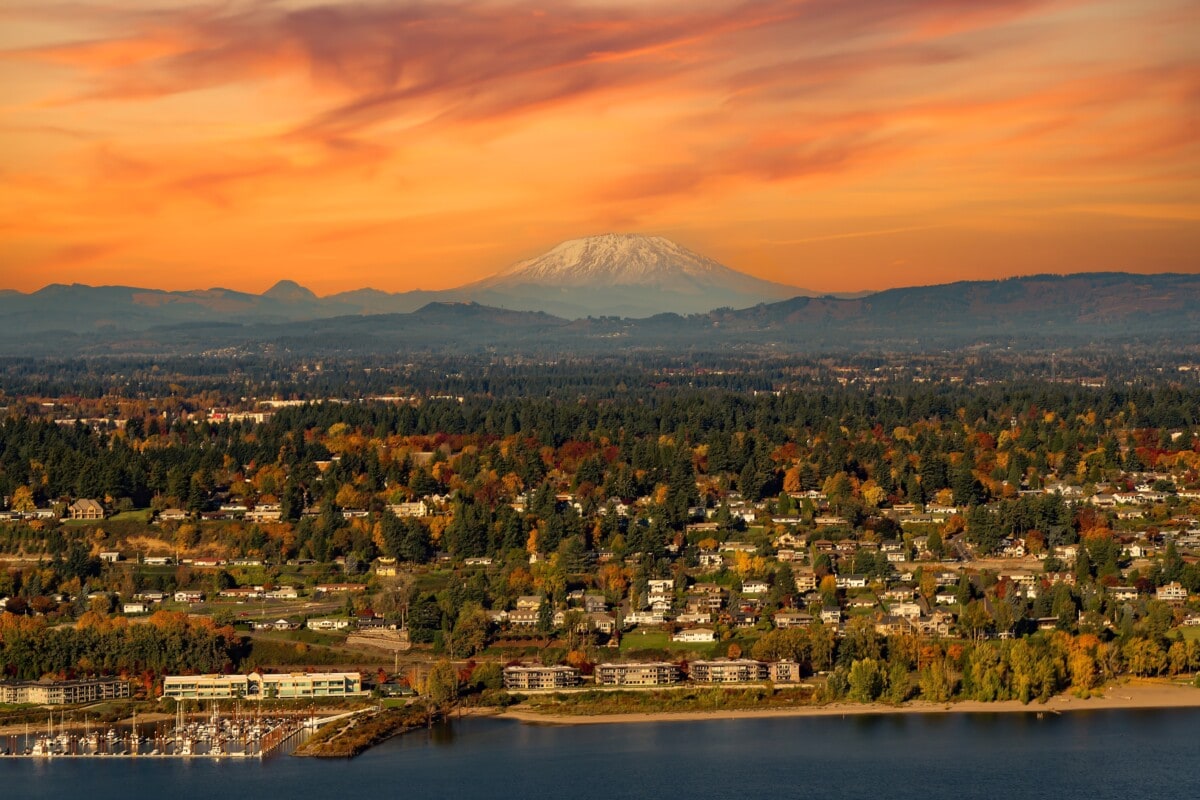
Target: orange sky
<point>828,144</point>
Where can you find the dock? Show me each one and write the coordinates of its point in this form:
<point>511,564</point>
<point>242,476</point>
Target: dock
<point>218,737</point>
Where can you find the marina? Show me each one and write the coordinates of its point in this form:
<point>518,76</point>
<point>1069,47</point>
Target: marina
<point>236,736</point>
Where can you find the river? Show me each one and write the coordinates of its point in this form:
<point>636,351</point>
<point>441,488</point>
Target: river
<point>1125,755</point>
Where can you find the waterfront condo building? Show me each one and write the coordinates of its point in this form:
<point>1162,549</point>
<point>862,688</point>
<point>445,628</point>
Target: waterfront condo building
<point>287,686</point>
<point>657,673</point>
<point>540,677</point>
<point>54,693</point>
<point>741,670</point>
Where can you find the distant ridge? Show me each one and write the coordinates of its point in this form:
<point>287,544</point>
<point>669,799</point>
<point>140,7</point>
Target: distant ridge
<point>628,275</point>
<point>606,291</point>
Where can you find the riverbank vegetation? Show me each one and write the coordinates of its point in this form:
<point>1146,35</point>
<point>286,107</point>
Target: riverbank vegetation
<point>346,738</point>
<point>690,699</point>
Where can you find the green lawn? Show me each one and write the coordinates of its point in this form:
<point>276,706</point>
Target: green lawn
<point>644,640</point>
<point>434,580</point>
<point>395,702</point>
<point>141,515</point>
<point>660,640</point>
<point>303,635</point>
<point>1190,633</point>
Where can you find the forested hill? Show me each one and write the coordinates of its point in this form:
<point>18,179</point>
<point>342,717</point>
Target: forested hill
<point>1038,311</point>
<point>1088,304</point>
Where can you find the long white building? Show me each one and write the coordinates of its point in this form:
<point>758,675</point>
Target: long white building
<point>257,686</point>
<point>88,690</point>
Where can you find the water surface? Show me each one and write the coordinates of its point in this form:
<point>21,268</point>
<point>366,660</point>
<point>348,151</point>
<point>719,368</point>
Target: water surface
<point>1095,754</point>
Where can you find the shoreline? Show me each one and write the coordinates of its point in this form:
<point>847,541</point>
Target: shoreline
<point>1128,697</point>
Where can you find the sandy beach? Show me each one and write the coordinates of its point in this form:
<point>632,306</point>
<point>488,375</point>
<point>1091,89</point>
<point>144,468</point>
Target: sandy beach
<point>1133,695</point>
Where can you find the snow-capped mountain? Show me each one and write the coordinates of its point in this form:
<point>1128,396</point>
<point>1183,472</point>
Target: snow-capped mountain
<point>626,275</point>
<point>615,259</point>
<point>622,275</point>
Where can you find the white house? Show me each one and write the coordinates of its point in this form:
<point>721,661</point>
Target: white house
<point>1172,593</point>
<point>695,635</point>
<point>328,623</point>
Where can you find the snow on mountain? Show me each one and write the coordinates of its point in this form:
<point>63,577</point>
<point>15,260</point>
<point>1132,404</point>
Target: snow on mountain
<point>614,259</point>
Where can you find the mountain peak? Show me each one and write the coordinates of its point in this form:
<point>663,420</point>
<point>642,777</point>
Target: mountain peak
<point>612,259</point>
<point>289,292</point>
<point>623,274</point>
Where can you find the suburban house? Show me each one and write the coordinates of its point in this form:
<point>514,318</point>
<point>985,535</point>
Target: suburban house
<point>280,624</point>
<point>851,581</point>
<point>894,625</point>
<point>335,588</point>
<point>1172,593</point>
<point>243,593</point>
<point>695,635</point>
<point>594,602</point>
<point>523,618</point>
<point>85,509</point>
<point>792,619</point>
<point>328,623</point>
<point>831,615</point>
<point>806,582</point>
<point>414,509</point>
<point>264,513</point>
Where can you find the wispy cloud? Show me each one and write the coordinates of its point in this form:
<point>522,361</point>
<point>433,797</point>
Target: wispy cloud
<point>276,122</point>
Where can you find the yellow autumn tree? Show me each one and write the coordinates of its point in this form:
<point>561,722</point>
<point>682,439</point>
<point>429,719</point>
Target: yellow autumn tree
<point>791,479</point>
<point>350,497</point>
<point>22,499</point>
<point>872,494</point>
<point>613,578</point>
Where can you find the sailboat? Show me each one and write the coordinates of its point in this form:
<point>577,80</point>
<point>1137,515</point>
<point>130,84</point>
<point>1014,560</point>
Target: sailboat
<point>90,743</point>
<point>44,745</point>
<point>62,742</point>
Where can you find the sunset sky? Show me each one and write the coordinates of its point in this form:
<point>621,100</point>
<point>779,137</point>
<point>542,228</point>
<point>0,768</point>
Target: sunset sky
<point>828,144</point>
